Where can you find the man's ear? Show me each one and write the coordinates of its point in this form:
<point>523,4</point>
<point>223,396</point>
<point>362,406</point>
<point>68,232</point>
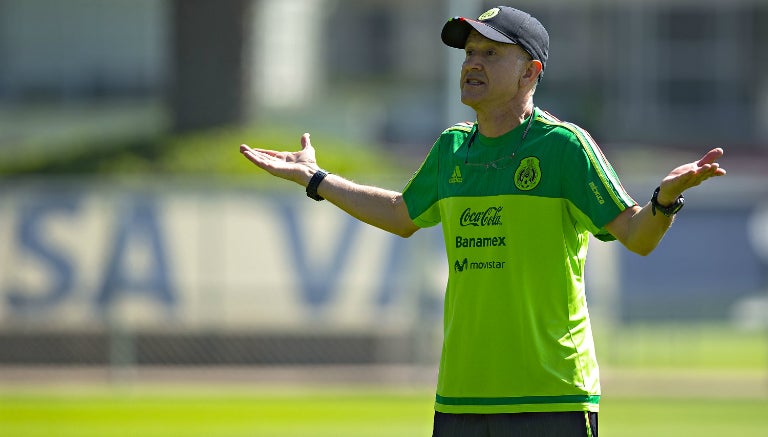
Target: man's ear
<point>532,71</point>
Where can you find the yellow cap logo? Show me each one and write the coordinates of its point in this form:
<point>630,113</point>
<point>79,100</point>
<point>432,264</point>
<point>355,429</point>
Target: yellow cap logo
<point>490,13</point>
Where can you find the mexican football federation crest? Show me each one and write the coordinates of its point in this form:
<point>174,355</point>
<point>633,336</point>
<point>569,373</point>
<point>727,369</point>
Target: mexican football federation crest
<point>528,174</point>
<point>490,13</point>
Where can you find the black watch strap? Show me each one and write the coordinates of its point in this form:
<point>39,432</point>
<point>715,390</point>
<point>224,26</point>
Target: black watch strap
<point>668,210</point>
<point>314,182</point>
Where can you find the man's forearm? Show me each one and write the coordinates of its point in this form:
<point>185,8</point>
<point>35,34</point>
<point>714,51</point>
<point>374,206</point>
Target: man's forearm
<point>376,206</point>
<point>645,230</point>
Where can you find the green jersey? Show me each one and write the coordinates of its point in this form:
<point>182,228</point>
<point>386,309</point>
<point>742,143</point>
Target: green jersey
<point>516,213</point>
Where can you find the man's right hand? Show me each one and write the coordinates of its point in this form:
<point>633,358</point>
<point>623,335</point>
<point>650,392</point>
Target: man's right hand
<point>293,166</point>
<point>379,207</point>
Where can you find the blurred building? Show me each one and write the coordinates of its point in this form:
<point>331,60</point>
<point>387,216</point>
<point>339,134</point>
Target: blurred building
<point>667,72</point>
<point>81,49</point>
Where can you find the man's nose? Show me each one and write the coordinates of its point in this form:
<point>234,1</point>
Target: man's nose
<point>472,63</point>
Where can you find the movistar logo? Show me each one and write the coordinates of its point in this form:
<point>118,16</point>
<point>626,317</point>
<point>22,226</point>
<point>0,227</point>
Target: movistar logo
<point>489,217</point>
<point>456,176</point>
<point>460,266</point>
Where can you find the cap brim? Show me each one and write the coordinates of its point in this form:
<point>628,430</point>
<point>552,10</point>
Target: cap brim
<point>456,31</point>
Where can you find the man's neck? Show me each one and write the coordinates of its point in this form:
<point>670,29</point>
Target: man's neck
<point>496,123</point>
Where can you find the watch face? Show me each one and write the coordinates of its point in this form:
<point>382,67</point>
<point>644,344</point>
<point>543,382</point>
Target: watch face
<point>678,205</point>
<point>673,208</point>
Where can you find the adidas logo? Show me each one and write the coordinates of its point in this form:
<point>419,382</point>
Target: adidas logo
<point>456,176</point>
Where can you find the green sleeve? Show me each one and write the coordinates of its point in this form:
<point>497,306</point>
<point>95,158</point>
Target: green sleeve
<point>420,194</point>
<point>592,186</point>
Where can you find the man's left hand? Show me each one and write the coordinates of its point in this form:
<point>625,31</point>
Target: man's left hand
<point>690,175</point>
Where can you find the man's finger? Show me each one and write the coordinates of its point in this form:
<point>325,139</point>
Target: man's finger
<point>251,155</point>
<point>305,141</point>
<point>272,153</point>
<point>711,156</point>
<point>257,156</point>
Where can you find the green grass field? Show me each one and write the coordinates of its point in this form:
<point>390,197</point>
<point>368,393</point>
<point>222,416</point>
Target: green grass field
<point>683,381</point>
<point>359,412</point>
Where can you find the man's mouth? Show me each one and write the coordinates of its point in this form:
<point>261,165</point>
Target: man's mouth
<point>473,81</point>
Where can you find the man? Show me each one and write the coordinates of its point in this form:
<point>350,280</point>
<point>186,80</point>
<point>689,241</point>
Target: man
<point>517,194</point>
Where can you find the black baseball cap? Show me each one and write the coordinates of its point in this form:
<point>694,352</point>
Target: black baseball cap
<point>502,24</point>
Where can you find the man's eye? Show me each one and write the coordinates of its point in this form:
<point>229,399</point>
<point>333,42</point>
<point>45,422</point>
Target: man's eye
<point>490,52</point>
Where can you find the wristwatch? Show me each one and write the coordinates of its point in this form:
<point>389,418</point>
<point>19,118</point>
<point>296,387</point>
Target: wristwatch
<point>314,182</point>
<point>668,210</point>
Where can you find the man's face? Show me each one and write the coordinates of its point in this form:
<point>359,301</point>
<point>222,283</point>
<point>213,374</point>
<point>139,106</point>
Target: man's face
<point>491,72</point>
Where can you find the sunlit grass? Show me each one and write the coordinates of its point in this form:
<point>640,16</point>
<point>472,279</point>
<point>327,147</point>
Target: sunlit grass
<point>329,412</point>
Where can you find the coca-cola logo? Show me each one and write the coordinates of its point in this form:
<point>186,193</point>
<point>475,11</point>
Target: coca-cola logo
<point>489,217</point>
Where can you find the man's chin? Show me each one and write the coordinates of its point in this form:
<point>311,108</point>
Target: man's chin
<point>470,101</point>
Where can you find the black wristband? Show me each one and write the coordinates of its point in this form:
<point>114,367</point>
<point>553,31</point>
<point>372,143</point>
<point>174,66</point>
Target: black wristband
<point>314,182</point>
<point>668,210</point>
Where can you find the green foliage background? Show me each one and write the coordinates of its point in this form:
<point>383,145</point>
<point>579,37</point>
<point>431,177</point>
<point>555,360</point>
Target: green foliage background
<point>211,153</point>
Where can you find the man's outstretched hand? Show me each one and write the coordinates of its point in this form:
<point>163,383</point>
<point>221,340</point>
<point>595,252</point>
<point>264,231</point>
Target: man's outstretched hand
<point>690,175</point>
<point>293,166</point>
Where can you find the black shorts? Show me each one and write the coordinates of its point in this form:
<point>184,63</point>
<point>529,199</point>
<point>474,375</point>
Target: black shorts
<point>565,424</point>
